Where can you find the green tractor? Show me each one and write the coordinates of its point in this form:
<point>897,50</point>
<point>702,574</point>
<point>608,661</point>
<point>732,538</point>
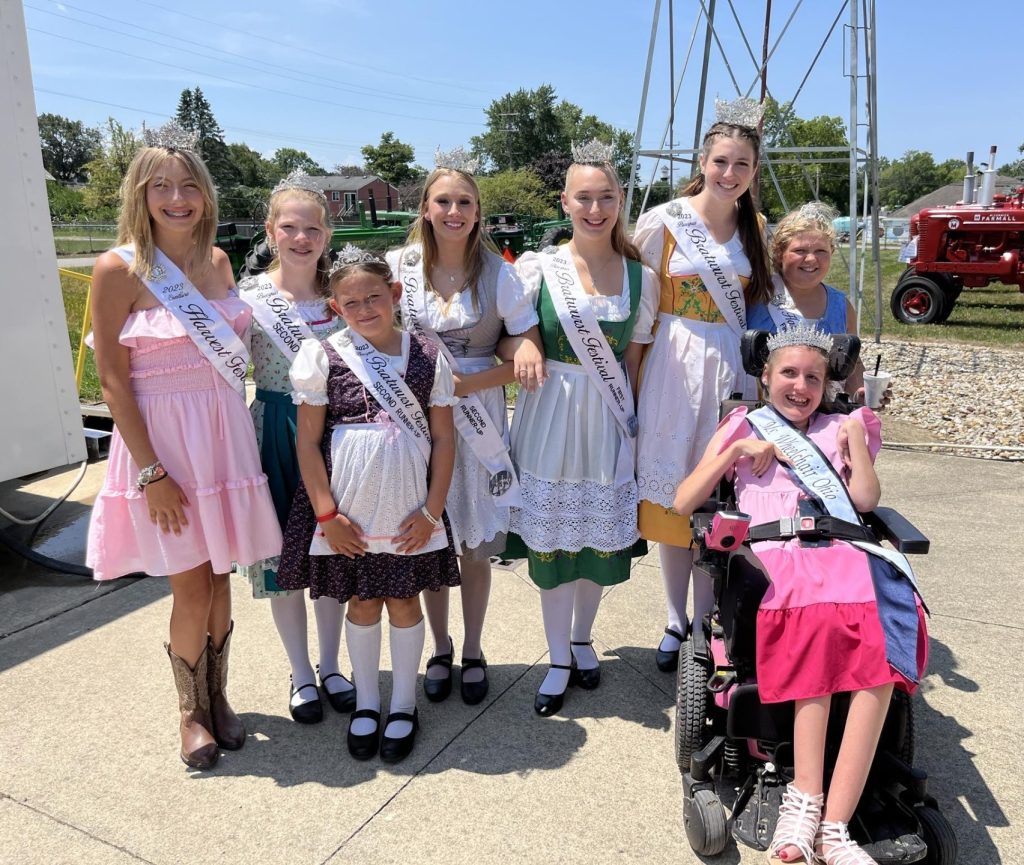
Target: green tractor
<point>519,234</point>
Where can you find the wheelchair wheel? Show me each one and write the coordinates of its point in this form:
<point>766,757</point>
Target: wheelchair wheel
<point>691,706</point>
<point>937,833</point>
<point>704,821</point>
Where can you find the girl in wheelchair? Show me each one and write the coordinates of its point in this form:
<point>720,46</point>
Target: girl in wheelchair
<point>839,615</point>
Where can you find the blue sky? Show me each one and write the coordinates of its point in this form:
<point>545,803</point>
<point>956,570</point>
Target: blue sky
<point>328,76</point>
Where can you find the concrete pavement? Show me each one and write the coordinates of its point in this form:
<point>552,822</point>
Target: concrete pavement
<point>89,772</point>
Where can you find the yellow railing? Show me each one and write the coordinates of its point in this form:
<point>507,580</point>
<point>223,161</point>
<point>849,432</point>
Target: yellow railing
<point>86,322</point>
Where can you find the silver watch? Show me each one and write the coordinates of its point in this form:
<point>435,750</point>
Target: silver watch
<point>151,473</point>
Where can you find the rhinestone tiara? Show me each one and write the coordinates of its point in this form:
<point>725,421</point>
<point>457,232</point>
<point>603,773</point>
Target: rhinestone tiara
<point>351,254</point>
<point>592,152</point>
<point>298,179</point>
<point>816,212</point>
<point>457,159</point>
<point>172,136</point>
<point>800,334</point>
<point>739,112</point>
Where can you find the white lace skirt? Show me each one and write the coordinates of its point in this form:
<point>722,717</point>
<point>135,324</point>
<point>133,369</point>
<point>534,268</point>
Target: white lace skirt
<point>565,445</point>
<point>378,478</point>
<point>475,518</point>
<point>690,368</point>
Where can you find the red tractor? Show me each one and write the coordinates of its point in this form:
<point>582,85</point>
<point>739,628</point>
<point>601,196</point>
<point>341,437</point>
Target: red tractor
<point>965,245</point>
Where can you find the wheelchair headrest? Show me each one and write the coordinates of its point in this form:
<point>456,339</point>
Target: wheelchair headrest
<point>841,360</point>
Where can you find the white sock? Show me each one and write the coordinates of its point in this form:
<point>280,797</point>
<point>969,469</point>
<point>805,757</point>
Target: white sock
<point>676,563</point>
<point>329,613</point>
<point>556,608</point>
<point>364,650</point>
<point>586,600</point>
<point>289,613</point>
<point>436,604</point>
<point>475,591</point>
<point>406,654</point>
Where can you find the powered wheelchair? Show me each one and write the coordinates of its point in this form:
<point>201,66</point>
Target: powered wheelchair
<point>727,742</point>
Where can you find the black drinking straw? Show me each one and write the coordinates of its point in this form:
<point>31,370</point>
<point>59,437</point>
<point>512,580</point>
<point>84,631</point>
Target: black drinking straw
<point>878,363</point>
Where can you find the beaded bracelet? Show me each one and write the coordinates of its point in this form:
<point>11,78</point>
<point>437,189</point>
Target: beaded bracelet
<point>429,516</point>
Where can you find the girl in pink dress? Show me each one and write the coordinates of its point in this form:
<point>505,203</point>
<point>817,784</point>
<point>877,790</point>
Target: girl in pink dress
<point>834,618</point>
<point>184,495</point>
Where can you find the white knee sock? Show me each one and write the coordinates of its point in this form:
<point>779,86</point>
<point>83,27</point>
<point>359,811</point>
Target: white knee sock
<point>436,604</point>
<point>556,608</point>
<point>364,650</point>
<point>289,612</point>
<point>475,590</point>
<point>586,600</point>
<point>676,563</point>
<point>406,654</point>
<point>329,613</point>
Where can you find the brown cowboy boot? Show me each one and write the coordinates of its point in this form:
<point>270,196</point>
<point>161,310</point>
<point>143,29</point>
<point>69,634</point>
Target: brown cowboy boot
<point>198,748</point>
<point>228,729</point>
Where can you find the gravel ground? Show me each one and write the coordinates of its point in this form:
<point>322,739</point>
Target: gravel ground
<point>953,394</point>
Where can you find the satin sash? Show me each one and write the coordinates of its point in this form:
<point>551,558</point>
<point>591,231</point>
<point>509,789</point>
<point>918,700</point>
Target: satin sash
<point>277,316</point>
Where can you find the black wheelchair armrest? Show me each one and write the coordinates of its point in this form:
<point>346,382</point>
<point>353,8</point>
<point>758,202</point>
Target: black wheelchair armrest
<point>898,530</point>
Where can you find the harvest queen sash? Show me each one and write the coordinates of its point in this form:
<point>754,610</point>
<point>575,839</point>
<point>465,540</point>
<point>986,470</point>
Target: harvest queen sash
<point>472,421</point>
<point>206,327</point>
<point>578,321</point>
<point>707,257</point>
<point>374,370</point>
<point>817,477</point>
<point>278,317</point>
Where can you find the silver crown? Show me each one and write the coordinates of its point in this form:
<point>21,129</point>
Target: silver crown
<point>172,136</point>
<point>800,334</point>
<point>299,179</point>
<point>816,212</point>
<point>351,254</point>
<point>593,152</point>
<point>457,158</point>
<point>739,112</point>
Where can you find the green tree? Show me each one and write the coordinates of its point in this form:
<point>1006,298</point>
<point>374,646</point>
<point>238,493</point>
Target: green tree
<point>108,169</point>
<point>519,191</point>
<point>349,170</point>
<point>67,146</point>
<point>195,114</point>
<point>287,159</point>
<point>908,178</point>
<point>66,204</point>
<point>521,126</point>
<point>250,167</point>
<point>391,160</point>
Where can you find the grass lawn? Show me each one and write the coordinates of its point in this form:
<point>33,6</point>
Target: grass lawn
<point>75,292</point>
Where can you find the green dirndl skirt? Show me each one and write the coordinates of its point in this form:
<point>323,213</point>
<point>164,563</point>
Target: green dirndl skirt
<point>550,570</point>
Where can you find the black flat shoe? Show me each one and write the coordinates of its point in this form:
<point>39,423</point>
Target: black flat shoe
<point>438,690</point>
<point>343,701</point>
<point>394,750</point>
<point>668,661</point>
<point>586,679</point>
<point>473,692</point>
<point>546,705</point>
<point>364,746</point>
<point>305,713</point>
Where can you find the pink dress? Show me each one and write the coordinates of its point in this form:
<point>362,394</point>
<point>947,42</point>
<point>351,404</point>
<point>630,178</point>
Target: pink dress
<point>818,627</point>
<point>202,433</point>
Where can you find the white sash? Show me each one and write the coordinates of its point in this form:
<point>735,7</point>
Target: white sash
<point>707,257</point>
<point>781,307</point>
<point>472,421</point>
<point>278,317</point>
<point>577,318</point>
<point>373,368</point>
<point>817,477</point>
<point>206,327</point>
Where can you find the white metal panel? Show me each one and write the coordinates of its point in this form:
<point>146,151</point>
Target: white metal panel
<point>40,421</point>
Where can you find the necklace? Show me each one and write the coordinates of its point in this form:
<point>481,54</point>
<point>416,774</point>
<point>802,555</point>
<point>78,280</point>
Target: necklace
<point>453,277</point>
<point>596,275</point>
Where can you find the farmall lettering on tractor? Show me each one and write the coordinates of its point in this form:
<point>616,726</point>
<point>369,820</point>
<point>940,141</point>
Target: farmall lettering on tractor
<point>965,245</point>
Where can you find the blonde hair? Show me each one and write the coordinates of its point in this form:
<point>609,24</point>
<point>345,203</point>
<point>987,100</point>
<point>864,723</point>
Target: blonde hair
<point>134,224</point>
<point>621,244</point>
<point>815,216</point>
<point>374,266</point>
<point>477,245</point>
<point>748,223</point>
<point>277,201</point>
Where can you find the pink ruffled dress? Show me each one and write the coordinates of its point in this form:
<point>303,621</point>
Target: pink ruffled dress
<point>202,433</point>
<point>818,627</point>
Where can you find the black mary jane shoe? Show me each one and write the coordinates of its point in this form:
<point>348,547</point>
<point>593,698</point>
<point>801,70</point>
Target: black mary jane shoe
<point>588,680</point>
<point>396,749</point>
<point>364,746</point>
<point>438,690</point>
<point>473,692</point>
<point>546,705</point>
<point>311,712</point>
<point>343,701</point>
<point>668,661</point>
